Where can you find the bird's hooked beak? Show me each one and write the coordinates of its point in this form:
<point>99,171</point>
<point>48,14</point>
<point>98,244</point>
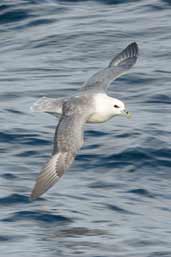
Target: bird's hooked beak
<point>127,114</point>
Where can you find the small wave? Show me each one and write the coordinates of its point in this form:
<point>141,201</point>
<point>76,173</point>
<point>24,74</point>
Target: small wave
<point>106,2</point>
<point>168,2</point>
<point>9,176</point>
<point>7,16</point>
<point>159,99</point>
<point>40,22</point>
<point>9,238</point>
<point>102,184</point>
<point>37,216</point>
<point>4,238</point>
<point>115,208</point>
<point>140,156</point>
<point>81,231</point>
<point>95,133</point>
<point>27,139</point>
<point>124,159</point>
<point>13,111</point>
<point>14,199</point>
<point>141,192</point>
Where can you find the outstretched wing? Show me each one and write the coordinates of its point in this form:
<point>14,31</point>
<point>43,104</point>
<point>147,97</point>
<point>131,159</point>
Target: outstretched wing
<point>51,173</point>
<point>117,67</point>
<point>68,140</point>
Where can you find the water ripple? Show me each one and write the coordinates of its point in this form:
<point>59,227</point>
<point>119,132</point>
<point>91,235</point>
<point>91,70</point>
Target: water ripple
<point>118,209</point>
<point>8,16</point>
<point>14,199</point>
<point>141,192</point>
<point>39,216</point>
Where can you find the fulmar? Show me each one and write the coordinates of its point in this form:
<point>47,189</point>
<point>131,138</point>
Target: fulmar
<point>91,105</point>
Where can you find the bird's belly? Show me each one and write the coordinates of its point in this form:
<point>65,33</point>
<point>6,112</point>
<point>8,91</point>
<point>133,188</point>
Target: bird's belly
<point>98,118</point>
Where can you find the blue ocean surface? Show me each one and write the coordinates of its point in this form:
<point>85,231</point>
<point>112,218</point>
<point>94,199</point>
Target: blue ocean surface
<point>115,201</point>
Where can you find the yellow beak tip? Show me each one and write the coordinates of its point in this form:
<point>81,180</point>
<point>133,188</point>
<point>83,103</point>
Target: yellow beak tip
<point>129,115</point>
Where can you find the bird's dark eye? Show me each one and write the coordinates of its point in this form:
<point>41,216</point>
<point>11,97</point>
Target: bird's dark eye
<point>116,106</point>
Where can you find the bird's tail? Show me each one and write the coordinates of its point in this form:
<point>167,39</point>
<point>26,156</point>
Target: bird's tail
<point>45,104</point>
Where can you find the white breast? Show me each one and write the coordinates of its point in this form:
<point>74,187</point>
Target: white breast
<point>102,109</point>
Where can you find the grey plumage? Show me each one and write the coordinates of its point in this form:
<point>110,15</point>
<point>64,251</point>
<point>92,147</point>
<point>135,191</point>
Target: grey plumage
<point>51,172</point>
<point>67,141</point>
<point>119,65</point>
<point>49,105</point>
<point>74,112</point>
<point>69,132</point>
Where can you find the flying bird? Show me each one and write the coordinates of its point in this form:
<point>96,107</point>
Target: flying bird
<point>91,105</point>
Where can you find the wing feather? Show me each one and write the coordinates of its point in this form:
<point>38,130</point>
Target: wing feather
<point>68,140</point>
<point>51,173</point>
<point>118,66</point>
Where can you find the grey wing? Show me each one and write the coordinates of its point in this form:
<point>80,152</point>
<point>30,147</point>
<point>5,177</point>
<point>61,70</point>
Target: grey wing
<point>49,105</point>
<point>68,140</point>
<point>51,173</point>
<point>118,66</point>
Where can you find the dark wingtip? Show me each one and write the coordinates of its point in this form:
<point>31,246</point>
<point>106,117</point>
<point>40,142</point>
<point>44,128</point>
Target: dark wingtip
<point>133,49</point>
<point>127,57</point>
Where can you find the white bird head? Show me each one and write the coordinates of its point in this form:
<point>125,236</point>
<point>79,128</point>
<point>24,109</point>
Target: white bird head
<point>107,107</point>
<point>114,107</point>
<point>119,107</point>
